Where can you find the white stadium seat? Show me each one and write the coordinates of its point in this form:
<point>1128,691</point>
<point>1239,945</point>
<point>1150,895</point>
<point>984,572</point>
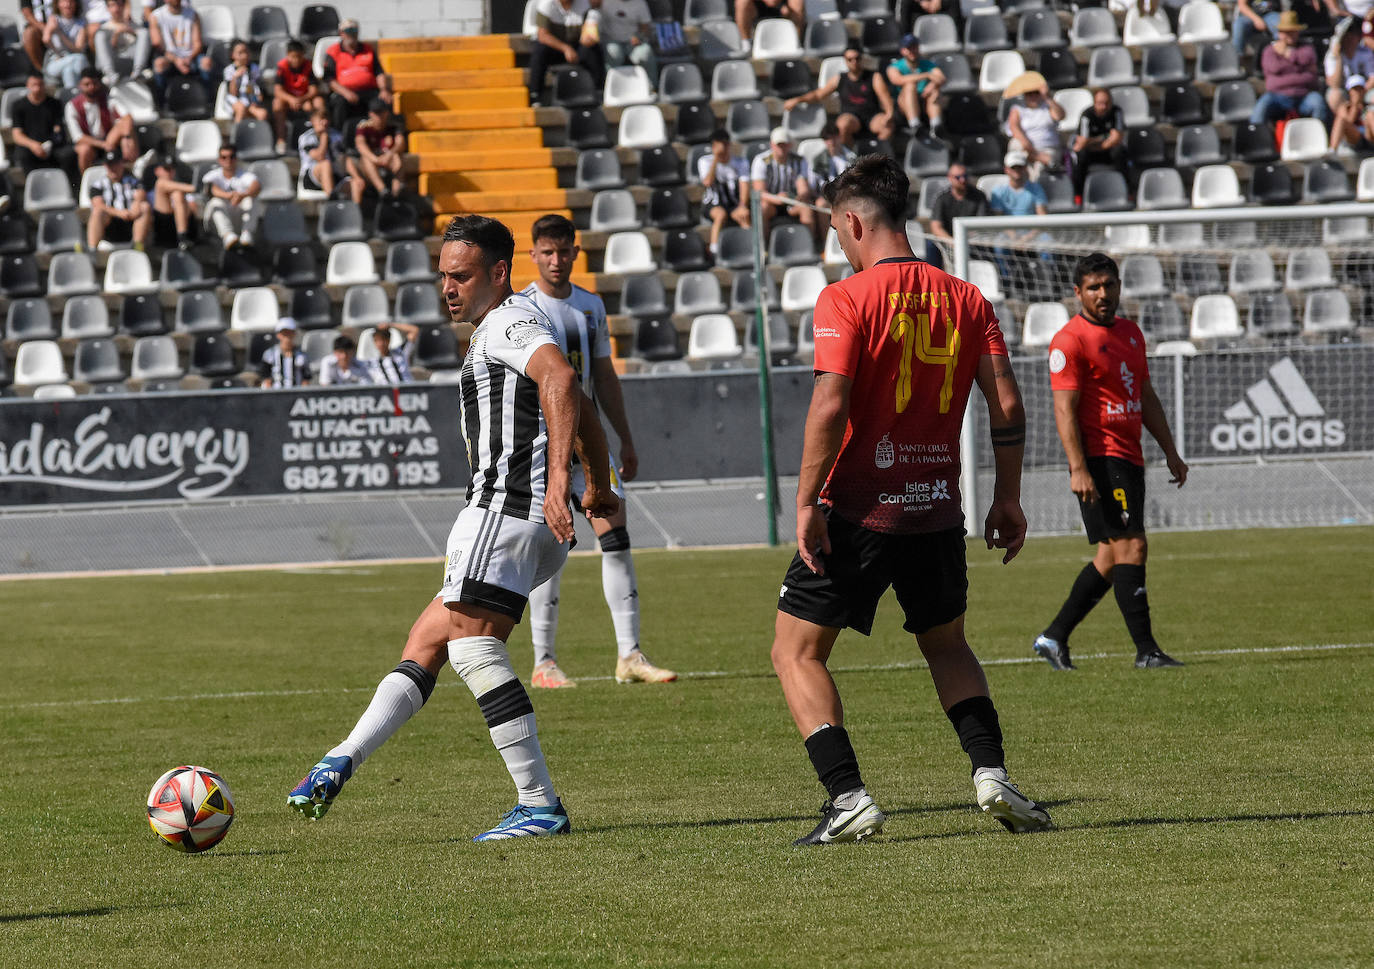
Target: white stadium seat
<point>629,252</point>
<point>801,287</point>
<point>129,271</point>
<point>627,85</point>
<point>713,337</point>
<point>1043,321</point>
<point>1304,139</point>
<point>1215,317</point>
<point>255,309</point>
<point>39,362</point>
<point>350,263</point>
<point>642,126</point>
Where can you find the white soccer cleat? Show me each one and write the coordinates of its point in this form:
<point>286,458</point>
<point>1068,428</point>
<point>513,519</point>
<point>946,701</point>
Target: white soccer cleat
<point>999,797</point>
<point>636,668</point>
<point>858,821</point>
<point>547,676</point>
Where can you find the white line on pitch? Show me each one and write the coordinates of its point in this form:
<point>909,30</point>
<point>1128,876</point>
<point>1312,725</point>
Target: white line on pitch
<point>698,675</point>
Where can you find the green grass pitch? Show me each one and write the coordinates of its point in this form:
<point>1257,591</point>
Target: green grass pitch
<point>1218,815</point>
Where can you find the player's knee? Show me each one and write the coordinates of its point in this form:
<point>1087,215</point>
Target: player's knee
<point>482,662</point>
<point>615,540</point>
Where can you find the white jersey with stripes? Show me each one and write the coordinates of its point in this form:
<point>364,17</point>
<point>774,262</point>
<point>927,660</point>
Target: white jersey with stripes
<point>580,324</point>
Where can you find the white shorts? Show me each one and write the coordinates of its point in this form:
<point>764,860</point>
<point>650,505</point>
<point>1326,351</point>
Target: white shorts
<point>494,560</point>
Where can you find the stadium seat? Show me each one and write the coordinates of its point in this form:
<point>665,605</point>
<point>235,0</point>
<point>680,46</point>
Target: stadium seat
<point>255,309</point>
<point>776,39</point>
<point>275,179</point>
<point>681,83</point>
<point>19,276</point>
<point>83,191</point>
<point>407,261</point>
<point>7,101</point>
<point>926,156</point>
<point>719,41</point>
<point>1304,139</point>
<point>198,311</point>
<point>129,271</point>
<point>931,189</point>
<point>132,97</point>
<point>253,140</point>
<point>669,208</point>
<point>311,307</point>
<point>781,343</point>
<point>365,305</point>
<point>29,318</point>
<point>1216,186</point>
<point>71,274</point>
<point>598,168</point>
<point>1111,66</point>
<point>266,23</point>
<point>984,275</point>
<point>1232,101</point>
<point>1309,268</point>
<point>982,154</point>
<point>1182,105</point>
<point>1043,321</point>
<point>1094,27</point>
<point>1134,104</point>
<point>15,234</point>
<point>187,100</point>
<point>1142,277</point>
<point>713,337</point>
<point>804,121</point>
<point>1146,30</point>
<point>1176,236</point>
<point>642,126</point>
<point>999,68</point>
<point>436,348</point>
<point>1127,238</point>
<point>155,358</point>
<point>697,293</point>
<point>1058,189</point>
<point>1254,143</point>
<point>140,314</point>
<point>613,210</point>
<point>744,292</point>
<point>1215,317</point>
<point>1198,276</point>
<point>419,303</point>
<point>748,121</point>
<point>1037,30</point>
<point>1272,184</point>
<point>1325,180</point>
<point>54,392</point>
<point>283,224</point>
<point>684,251</point>
<point>46,189</point>
<point>881,37</point>
<point>735,248</point>
<point>1106,191</point>
<point>317,22</point>
<point>1325,311</point>
<point>241,266</point>
<point>825,38</point>
<point>1201,21</point>
<point>627,85</point>
<point>1364,181</point>
<point>801,287</point>
<point>1074,101</point>
<point>643,295</point>
<point>340,221</point>
<point>1198,145</point>
<point>1345,230</point>
<point>1216,62</point>
<point>295,265</point>
<point>350,264</point>
<point>656,339</point>
<point>1271,314</point>
<point>790,245</point>
<point>867,9</point>
<point>39,362</point>
<point>198,141</point>
<point>1252,270</point>
<point>587,128</point>
<point>1164,64</point>
<point>60,230</point>
<point>984,31</point>
<point>959,77</point>
<point>1059,68</point>
<point>628,252</point>
<point>258,343</point>
<point>1144,148</point>
<point>182,271</point>
<point>317,345</point>
<point>695,123</point>
<point>660,166</point>
<point>96,361</point>
<point>574,86</point>
<point>987,184</point>
<point>734,81</point>
<point>697,12</point>
<point>936,33</point>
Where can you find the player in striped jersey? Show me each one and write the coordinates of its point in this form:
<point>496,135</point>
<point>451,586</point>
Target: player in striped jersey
<point>522,415</point>
<point>579,318</point>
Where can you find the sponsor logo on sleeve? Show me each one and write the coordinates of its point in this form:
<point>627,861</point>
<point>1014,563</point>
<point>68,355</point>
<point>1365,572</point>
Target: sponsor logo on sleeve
<point>1057,360</point>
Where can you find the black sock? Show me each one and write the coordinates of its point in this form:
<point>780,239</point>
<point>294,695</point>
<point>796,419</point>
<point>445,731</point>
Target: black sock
<point>1128,581</point>
<point>975,720</point>
<point>1088,590</point>
<point>833,757</point>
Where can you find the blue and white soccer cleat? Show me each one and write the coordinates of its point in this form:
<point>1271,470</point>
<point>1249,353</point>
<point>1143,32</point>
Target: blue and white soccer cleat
<point>1053,652</point>
<point>318,788</point>
<point>523,821</point>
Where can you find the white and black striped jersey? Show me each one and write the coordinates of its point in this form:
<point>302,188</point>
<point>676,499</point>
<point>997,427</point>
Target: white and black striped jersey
<point>724,190</point>
<point>503,424</point>
<point>580,325</point>
<point>118,193</point>
<point>779,177</point>
<point>284,370</point>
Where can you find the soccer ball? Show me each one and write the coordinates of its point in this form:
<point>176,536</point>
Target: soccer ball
<point>190,809</point>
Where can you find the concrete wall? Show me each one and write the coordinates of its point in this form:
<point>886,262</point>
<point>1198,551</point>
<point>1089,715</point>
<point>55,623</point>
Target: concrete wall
<point>397,18</point>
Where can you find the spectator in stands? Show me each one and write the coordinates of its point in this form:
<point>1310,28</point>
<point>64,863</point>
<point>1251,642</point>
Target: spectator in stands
<point>64,40</point>
<point>1033,125</point>
<point>750,12</point>
<point>1253,18</point>
<point>560,39</point>
<point>353,76</point>
<point>627,30</point>
<point>959,200</point>
<point>120,212</point>
<point>342,366</point>
<point>725,177</point>
<point>865,102</point>
<point>831,161</point>
<point>393,366</point>
<point>34,13</point>
<point>1347,56</point>
<point>284,365</point>
<point>243,78</point>
<point>1353,120</point>
<point>322,154</point>
<point>173,201</point>
<point>95,126</point>
<point>917,82</point>
<point>1319,17</point>
<point>174,29</point>
<point>40,141</point>
<point>1019,196</point>
<point>1101,131</point>
<point>232,210</point>
<point>118,35</point>
<point>1293,79</point>
<point>907,12</point>
<point>294,91</point>
<point>780,173</point>
<point>381,146</point>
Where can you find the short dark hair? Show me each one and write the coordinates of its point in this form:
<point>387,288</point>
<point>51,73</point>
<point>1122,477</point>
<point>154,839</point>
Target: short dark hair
<point>830,130</point>
<point>854,47</point>
<point>344,342</point>
<point>876,179</point>
<point>295,47</point>
<point>94,74</point>
<point>554,227</point>
<point>38,74</point>
<point>1092,264</point>
<point>720,134</point>
<point>488,235</point>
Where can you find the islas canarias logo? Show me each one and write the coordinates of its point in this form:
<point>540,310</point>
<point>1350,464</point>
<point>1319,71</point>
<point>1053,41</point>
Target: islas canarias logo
<point>1277,413</point>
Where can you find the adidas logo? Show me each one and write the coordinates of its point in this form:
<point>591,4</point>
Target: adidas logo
<point>1279,412</point>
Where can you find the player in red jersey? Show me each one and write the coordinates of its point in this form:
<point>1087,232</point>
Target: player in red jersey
<point>1102,398</point>
<point>899,346</point>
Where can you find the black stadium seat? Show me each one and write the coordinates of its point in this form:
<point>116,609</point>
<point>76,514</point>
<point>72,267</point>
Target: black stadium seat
<point>187,100</point>
<point>881,37</point>
<point>587,128</point>
<point>266,23</point>
<point>1059,68</point>
<point>681,83</point>
<point>1163,64</point>
<point>29,318</point>
<point>660,166</point>
<point>182,271</point>
<point>684,251</point>
<point>926,156</point>
<point>16,233</point>
<point>575,87</point>
<point>656,339</point>
<point>1325,180</point>
<point>212,355</point>
<point>982,154</point>
<point>1182,105</point>
<point>311,308</point>
<point>296,265</point>
<point>198,311</point>
<point>965,114</point>
<point>598,168</point>
<point>735,248</point>
<point>1105,191</point>
<point>790,78</point>
<point>1198,145</point>
<point>1254,143</point>
<point>1144,148</point>
<point>140,314</point>
<point>695,122</point>
<point>396,219</point>
<point>318,21</point>
<point>241,267</point>
<point>436,348</point>
<point>97,362</point>
<point>1272,184</point>
<point>669,208</point>
<point>19,276</point>
<point>959,77</point>
<point>643,295</point>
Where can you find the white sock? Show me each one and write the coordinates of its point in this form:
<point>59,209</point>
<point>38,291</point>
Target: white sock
<point>847,800</point>
<point>397,700</point>
<point>518,742</point>
<point>544,619</point>
<point>622,596</point>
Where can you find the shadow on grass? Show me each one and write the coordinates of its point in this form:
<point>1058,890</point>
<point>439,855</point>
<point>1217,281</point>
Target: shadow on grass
<point>78,913</point>
<point>249,853</point>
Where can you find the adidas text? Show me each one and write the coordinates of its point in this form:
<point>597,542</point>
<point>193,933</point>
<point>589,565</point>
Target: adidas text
<point>1286,433</point>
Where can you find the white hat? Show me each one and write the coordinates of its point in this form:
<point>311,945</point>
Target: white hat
<point>286,323</point>
<point>1354,81</point>
<point>1015,157</point>
<point>779,136</point>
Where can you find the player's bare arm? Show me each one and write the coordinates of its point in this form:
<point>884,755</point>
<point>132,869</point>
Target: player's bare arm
<point>612,399</point>
<point>1152,416</point>
<point>558,398</point>
<point>598,500</point>
<point>825,423</point>
<point>1005,526</point>
<point>1071,436</point>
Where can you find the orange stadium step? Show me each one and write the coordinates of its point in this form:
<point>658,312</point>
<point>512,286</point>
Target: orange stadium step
<point>471,120</point>
<point>462,80</point>
<point>447,60</point>
<point>520,279</point>
<point>481,139</point>
<point>415,45</point>
<point>518,221</point>
<point>518,180</point>
<point>517,96</point>
<point>549,200</point>
<point>478,161</point>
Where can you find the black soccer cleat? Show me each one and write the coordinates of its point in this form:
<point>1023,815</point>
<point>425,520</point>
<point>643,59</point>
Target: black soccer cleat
<point>838,824</point>
<point>1155,659</point>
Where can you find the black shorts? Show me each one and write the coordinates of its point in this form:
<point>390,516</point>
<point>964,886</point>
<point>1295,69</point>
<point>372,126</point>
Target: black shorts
<point>118,230</point>
<point>1120,506</point>
<point>164,229</point>
<point>928,572</point>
